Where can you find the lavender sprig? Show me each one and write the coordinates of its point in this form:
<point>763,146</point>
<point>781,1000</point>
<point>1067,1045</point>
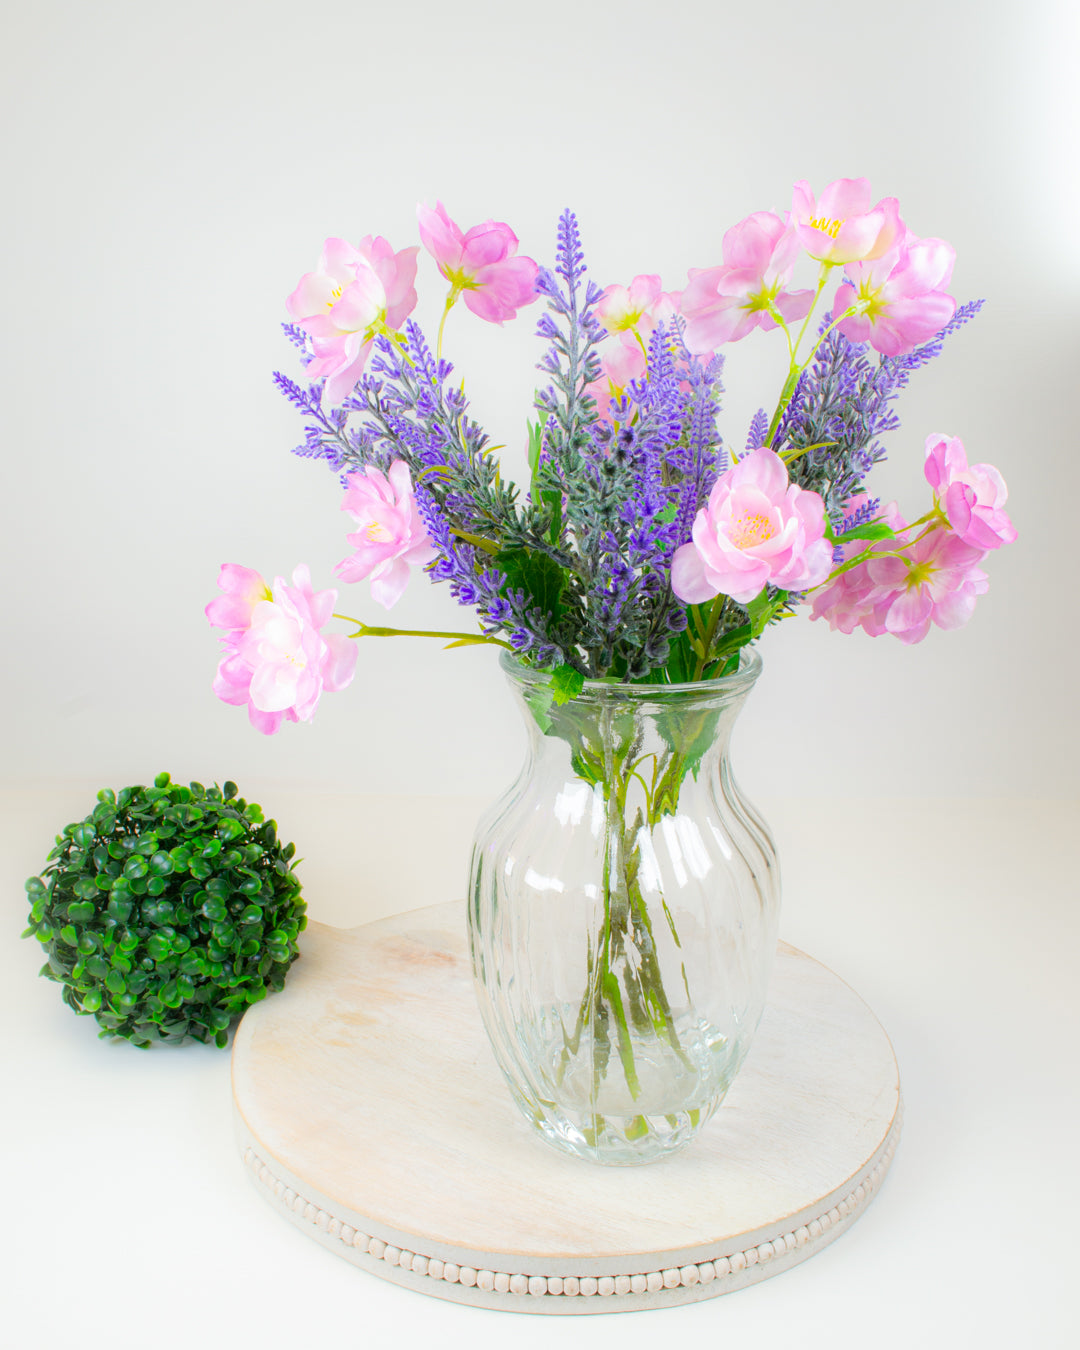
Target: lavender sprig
<point>845,400</point>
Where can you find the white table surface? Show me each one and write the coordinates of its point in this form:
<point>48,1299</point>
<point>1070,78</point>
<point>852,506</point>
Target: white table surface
<point>130,1220</point>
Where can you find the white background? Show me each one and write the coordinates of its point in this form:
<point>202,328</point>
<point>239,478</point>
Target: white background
<point>171,172</point>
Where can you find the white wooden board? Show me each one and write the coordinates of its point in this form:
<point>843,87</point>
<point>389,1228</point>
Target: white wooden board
<point>372,1115</point>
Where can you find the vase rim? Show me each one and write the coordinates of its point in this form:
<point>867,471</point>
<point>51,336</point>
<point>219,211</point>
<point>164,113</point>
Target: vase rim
<point>739,681</point>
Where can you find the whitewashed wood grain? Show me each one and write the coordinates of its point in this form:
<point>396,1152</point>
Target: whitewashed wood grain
<point>369,1107</point>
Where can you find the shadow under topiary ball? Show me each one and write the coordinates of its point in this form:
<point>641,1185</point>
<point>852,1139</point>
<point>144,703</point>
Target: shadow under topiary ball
<point>167,911</point>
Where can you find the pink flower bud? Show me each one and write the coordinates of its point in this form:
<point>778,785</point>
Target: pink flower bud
<point>972,496</point>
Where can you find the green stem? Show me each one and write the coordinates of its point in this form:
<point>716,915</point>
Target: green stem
<point>451,301</point>
<point>477,541</point>
<point>368,630</point>
<point>715,610</point>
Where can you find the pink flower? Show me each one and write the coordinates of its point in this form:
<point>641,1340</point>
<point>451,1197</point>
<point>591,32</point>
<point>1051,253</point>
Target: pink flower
<point>898,297</point>
<point>638,307</point>
<point>841,226</point>
<point>757,527</point>
<point>480,264</point>
<point>972,496</point>
<point>277,661</point>
<point>354,294</point>
<point>391,537</point>
<point>936,579</point>
<point>723,304</point>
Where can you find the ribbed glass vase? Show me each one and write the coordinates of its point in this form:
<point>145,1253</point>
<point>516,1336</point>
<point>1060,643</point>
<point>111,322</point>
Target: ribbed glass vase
<point>623,907</point>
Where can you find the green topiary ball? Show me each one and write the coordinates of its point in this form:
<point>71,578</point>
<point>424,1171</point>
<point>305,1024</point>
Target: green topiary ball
<point>167,911</point>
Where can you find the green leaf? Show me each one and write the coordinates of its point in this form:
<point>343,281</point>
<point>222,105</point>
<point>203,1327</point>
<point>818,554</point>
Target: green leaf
<point>119,906</point>
<point>536,438</point>
<point>539,698</point>
<point>159,947</point>
<point>161,864</point>
<point>872,531</point>
<point>566,684</point>
<point>540,577</point>
<point>763,609</point>
<point>668,514</point>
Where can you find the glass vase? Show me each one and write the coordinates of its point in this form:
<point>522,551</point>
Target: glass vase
<point>623,908</point>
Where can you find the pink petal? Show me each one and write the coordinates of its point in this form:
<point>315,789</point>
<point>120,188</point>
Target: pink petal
<point>911,608</point>
<point>313,294</point>
<point>645,291</point>
<point>339,260</point>
<point>688,579</point>
<point>439,235</point>
<point>794,305</point>
<point>502,289</point>
<point>339,665</point>
<point>750,243</point>
<point>843,198</point>
<point>485,244</point>
<point>389,584</point>
<point>266,722</point>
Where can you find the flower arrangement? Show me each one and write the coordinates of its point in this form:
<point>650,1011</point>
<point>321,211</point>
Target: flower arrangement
<point>623,906</point>
<point>645,549</point>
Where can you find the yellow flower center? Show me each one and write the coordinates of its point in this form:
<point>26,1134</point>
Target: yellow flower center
<point>459,280</point>
<point>919,574</point>
<point>335,296</point>
<point>377,533</point>
<point>750,528</point>
<point>826,226</point>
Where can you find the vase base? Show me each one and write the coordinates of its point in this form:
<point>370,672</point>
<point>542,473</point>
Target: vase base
<point>617,1141</point>
<point>371,1114</point>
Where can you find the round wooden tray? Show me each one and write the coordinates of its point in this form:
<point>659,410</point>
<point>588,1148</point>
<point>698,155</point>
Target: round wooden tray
<point>372,1115</point>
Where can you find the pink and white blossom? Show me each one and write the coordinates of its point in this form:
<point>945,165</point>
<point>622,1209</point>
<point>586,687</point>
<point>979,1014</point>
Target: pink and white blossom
<point>278,662</point>
<point>392,536</point>
<point>354,294</point>
<point>841,226</point>
<point>636,308</point>
<point>481,264</point>
<point>972,496</point>
<point>757,527</point>
<point>898,297</point>
<point>724,304</point>
<point>936,579</point>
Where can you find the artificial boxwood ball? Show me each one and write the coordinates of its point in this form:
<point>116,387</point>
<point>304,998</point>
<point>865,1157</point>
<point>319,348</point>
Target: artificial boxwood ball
<point>167,911</point>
